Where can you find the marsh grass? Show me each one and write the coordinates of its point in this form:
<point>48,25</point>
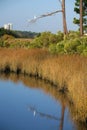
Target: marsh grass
<point>67,72</point>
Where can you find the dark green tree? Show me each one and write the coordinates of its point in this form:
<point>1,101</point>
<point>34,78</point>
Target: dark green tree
<point>84,13</point>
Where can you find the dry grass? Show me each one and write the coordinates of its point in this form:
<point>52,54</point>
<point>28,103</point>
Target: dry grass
<point>64,71</point>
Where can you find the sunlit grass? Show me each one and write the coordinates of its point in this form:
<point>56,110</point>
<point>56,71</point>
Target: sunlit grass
<point>67,72</point>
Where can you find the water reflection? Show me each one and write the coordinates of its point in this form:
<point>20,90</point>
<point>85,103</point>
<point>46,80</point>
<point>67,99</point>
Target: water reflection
<point>41,114</point>
<point>50,90</point>
<point>51,117</point>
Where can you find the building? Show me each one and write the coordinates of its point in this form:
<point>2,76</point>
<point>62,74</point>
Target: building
<point>8,26</point>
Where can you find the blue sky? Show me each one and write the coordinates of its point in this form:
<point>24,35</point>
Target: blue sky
<point>18,12</point>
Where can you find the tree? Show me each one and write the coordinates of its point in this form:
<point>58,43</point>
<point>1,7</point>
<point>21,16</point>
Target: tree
<point>50,14</point>
<point>78,9</point>
<point>64,16</point>
<point>81,17</point>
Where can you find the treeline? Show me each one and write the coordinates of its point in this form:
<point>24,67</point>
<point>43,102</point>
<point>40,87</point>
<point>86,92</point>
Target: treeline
<point>55,43</point>
<point>18,34</point>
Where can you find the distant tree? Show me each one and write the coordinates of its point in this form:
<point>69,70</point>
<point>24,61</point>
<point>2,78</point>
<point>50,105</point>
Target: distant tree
<point>18,34</point>
<point>77,9</point>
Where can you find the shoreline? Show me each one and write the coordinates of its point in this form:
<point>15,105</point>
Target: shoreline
<point>67,72</point>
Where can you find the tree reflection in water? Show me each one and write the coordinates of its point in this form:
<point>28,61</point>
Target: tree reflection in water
<point>35,111</point>
<point>62,117</point>
<point>47,88</point>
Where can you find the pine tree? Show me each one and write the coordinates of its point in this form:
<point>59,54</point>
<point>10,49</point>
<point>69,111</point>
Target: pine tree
<point>84,13</point>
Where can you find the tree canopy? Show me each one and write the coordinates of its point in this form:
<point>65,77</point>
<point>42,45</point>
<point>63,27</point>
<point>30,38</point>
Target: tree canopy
<point>77,10</point>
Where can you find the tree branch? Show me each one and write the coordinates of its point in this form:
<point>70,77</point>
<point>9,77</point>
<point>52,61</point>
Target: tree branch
<point>43,15</point>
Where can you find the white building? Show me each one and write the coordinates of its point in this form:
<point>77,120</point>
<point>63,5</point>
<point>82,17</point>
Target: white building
<point>8,26</point>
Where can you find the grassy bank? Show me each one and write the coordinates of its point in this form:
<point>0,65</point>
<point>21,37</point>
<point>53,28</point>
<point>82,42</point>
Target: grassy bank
<point>67,72</point>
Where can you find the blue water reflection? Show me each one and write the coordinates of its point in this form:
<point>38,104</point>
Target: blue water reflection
<point>25,108</point>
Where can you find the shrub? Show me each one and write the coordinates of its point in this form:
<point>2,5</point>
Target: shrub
<point>60,36</point>
<point>85,51</point>
<point>80,48</point>
<point>84,40</point>
<point>73,34</point>
<point>6,37</point>
<point>71,45</point>
<point>60,46</point>
<point>53,39</point>
<point>52,48</point>
<point>1,43</point>
<point>45,39</point>
<point>36,43</point>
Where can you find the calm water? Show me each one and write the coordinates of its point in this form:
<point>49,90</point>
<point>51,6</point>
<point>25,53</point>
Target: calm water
<point>23,107</point>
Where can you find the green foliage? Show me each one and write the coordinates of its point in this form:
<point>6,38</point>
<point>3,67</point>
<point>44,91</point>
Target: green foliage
<point>60,48</point>
<point>71,46</point>
<point>60,36</point>
<point>2,44</point>
<point>77,10</point>
<point>85,51</point>
<point>55,43</point>
<point>52,48</point>
<point>45,39</point>
<point>73,34</point>
<point>18,34</point>
<point>25,34</point>
<point>82,49</point>
<point>57,48</point>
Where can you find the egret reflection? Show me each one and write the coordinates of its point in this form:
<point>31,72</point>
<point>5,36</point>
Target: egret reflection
<point>35,112</point>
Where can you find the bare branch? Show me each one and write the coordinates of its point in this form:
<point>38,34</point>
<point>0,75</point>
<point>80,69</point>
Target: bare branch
<point>43,15</point>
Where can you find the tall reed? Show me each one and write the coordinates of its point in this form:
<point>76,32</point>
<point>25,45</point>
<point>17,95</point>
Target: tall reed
<point>67,72</point>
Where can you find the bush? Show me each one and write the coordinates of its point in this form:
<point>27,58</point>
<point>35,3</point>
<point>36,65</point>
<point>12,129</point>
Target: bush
<point>57,48</point>
<point>85,51</point>
<point>80,48</point>
<point>2,43</point>
<point>45,39</point>
<point>71,45</point>
<point>36,43</point>
<point>84,41</point>
<point>60,46</point>
<point>53,38</point>
<point>60,36</point>
<point>52,48</point>
<point>73,34</point>
<point>7,37</point>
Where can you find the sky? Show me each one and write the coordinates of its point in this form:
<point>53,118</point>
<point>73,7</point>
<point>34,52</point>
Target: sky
<point>18,12</point>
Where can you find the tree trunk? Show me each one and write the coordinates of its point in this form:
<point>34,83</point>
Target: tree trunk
<point>62,117</point>
<point>64,18</point>
<point>81,17</point>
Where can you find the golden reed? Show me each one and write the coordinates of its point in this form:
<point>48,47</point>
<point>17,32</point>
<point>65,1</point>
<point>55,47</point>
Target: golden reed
<point>67,72</point>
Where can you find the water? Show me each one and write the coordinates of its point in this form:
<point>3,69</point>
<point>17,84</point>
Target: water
<point>24,107</point>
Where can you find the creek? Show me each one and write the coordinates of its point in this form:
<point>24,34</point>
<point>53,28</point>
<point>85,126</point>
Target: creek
<point>30,104</point>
